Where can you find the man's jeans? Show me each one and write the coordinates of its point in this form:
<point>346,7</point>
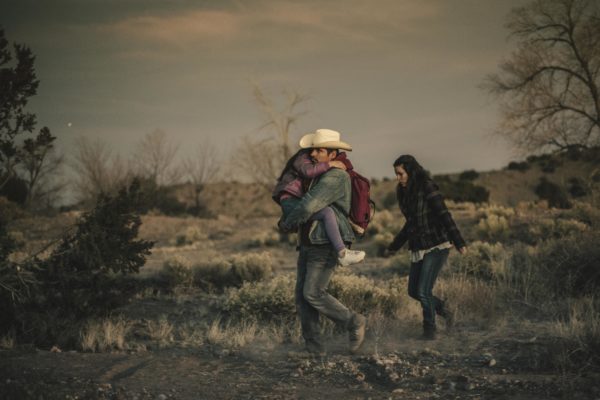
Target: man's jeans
<point>420,284</point>
<point>315,268</point>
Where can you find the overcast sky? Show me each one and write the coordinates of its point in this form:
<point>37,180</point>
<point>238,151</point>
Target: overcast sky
<point>394,76</point>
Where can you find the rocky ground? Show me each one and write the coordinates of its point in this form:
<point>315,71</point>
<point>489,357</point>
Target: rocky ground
<point>490,369</point>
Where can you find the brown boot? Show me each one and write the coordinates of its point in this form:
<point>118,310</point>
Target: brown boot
<point>356,332</point>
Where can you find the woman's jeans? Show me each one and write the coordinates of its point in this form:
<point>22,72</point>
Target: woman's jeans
<point>420,284</point>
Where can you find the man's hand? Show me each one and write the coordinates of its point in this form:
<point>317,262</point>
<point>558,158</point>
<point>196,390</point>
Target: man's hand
<point>283,228</point>
<point>337,164</point>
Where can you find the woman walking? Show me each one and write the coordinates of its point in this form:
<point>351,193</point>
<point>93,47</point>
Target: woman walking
<point>430,232</point>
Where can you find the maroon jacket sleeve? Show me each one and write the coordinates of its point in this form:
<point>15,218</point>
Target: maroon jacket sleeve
<point>307,169</point>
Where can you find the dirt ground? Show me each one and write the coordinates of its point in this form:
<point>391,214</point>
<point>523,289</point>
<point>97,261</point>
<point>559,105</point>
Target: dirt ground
<point>467,365</point>
<point>507,362</point>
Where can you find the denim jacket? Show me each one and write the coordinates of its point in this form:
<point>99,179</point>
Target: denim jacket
<point>330,189</point>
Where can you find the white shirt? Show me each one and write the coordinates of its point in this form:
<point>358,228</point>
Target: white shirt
<point>416,256</point>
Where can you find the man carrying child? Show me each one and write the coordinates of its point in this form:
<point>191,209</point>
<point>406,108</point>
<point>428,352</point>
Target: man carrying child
<point>317,257</point>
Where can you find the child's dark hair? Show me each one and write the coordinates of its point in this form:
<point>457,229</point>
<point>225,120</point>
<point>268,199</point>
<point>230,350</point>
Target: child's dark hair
<point>290,163</point>
<point>417,177</point>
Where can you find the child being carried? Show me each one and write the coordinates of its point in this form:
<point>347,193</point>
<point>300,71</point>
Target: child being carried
<point>289,191</point>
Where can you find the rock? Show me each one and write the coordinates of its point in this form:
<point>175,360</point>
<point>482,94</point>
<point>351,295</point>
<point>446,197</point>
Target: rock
<point>492,362</point>
<point>161,397</point>
<point>55,349</point>
<point>398,391</point>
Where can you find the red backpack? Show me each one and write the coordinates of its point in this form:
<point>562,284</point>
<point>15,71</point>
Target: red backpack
<point>362,208</point>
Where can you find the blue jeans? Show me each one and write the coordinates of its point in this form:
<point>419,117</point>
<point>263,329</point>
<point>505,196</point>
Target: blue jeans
<point>420,284</point>
<point>316,265</point>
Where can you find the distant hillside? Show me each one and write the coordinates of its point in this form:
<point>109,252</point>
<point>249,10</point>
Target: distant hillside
<point>574,172</point>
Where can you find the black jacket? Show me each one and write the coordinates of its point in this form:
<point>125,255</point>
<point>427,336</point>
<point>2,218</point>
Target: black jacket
<point>428,222</point>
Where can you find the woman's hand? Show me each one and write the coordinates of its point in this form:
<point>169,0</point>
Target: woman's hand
<point>337,164</point>
<point>463,250</point>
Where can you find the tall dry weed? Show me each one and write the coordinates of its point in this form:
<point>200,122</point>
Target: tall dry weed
<point>104,335</point>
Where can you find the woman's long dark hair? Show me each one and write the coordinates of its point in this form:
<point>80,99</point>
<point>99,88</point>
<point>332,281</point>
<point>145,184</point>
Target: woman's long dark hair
<point>290,163</point>
<point>417,177</point>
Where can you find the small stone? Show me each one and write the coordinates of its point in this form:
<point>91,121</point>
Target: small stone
<point>55,349</point>
<point>161,397</point>
<point>398,391</point>
<point>492,362</point>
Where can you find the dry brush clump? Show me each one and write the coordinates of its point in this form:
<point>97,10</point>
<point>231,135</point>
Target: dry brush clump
<point>364,295</point>
<point>177,271</point>
<point>104,335</point>
<point>579,334</point>
<point>221,272</point>
<point>191,235</point>
<point>262,301</point>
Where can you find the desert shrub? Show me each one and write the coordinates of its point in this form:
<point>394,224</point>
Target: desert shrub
<point>263,239</point>
<point>177,271</point>
<point>190,235</point>
<point>484,260</point>
<point>464,191</point>
<point>555,228</point>
<point>385,221</point>
<point>220,273</point>
<point>399,263</point>
<point>554,194</point>
<point>569,265</point>
<point>468,175</point>
<point>580,334</point>
<point>361,294</point>
<point>496,210</point>
<point>583,212</point>
<point>493,228</point>
<point>9,210</point>
<point>104,335</point>
<point>518,166</point>
<point>472,300</point>
<point>548,167</point>
<point>389,201</point>
<point>160,330</point>
<point>577,188</point>
<point>381,241</point>
<point>263,301</point>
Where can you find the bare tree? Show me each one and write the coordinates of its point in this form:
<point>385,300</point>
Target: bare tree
<point>41,166</point>
<point>550,86</point>
<point>261,158</point>
<point>154,159</point>
<point>98,170</point>
<point>200,169</point>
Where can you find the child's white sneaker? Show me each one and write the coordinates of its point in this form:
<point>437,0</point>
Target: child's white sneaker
<point>351,257</point>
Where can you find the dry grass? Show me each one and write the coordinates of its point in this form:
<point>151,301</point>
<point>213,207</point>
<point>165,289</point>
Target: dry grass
<point>191,335</point>
<point>472,300</point>
<point>104,335</point>
<point>237,335</point>
<point>160,330</point>
<point>580,334</point>
<point>8,341</point>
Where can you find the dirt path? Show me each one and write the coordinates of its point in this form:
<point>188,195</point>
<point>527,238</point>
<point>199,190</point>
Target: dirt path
<point>414,371</point>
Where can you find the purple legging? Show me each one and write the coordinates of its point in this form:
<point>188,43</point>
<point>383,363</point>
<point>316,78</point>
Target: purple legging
<point>331,227</point>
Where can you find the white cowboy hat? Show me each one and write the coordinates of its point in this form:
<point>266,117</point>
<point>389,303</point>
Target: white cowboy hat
<point>325,139</point>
